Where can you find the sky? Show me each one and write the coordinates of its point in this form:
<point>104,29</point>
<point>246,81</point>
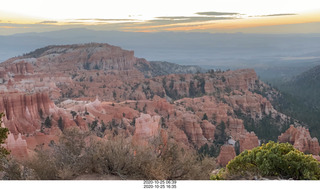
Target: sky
<point>250,16</point>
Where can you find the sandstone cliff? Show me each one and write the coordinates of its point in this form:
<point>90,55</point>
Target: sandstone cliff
<point>23,111</point>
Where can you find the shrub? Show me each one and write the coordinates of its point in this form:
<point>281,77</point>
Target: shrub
<point>44,166</point>
<point>78,153</point>
<point>13,170</point>
<point>64,160</point>
<point>273,159</point>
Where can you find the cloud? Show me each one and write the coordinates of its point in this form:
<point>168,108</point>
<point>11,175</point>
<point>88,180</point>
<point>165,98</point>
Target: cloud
<point>48,22</point>
<point>183,20</point>
<point>270,15</point>
<point>217,13</point>
<point>105,20</point>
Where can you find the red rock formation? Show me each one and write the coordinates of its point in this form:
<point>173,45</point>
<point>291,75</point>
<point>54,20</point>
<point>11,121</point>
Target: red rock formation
<point>22,111</point>
<point>178,135</point>
<point>254,104</point>
<point>147,128</point>
<point>20,68</point>
<point>241,79</point>
<point>17,146</point>
<point>86,56</point>
<point>248,141</point>
<point>227,153</point>
<point>190,124</point>
<point>300,138</point>
<point>208,130</point>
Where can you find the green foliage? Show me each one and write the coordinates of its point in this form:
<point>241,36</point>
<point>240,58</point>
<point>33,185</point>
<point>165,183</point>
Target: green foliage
<point>205,117</point>
<point>266,129</point>
<point>93,125</point>
<point>197,90</point>
<point>220,138</point>
<point>103,126</point>
<point>223,79</point>
<point>3,136</point>
<point>220,134</point>
<point>192,89</point>
<point>114,94</point>
<point>274,159</point>
<point>72,156</point>
<point>300,99</point>
<point>210,151</point>
<point>297,107</point>
<point>237,147</point>
<point>48,122</point>
<point>60,124</point>
<point>219,176</point>
<point>87,65</point>
<point>73,113</point>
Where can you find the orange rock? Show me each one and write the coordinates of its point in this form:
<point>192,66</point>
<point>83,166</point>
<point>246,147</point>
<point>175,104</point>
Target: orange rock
<point>22,111</point>
<point>248,141</point>
<point>208,130</point>
<point>227,153</point>
<point>300,138</point>
<point>17,146</point>
<point>147,128</point>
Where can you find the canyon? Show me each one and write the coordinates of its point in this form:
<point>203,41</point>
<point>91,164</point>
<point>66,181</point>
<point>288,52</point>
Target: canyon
<point>108,91</point>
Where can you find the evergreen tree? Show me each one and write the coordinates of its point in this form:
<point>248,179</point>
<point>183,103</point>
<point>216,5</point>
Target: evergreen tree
<point>48,122</point>
<point>3,135</point>
<point>205,117</point>
<point>73,113</point>
<point>60,124</point>
<point>220,134</point>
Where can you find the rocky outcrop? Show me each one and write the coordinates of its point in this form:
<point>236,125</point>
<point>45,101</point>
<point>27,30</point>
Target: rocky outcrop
<point>17,146</point>
<point>208,130</point>
<point>20,68</point>
<point>190,124</point>
<point>147,128</point>
<point>300,138</point>
<point>249,103</point>
<point>227,153</point>
<point>243,79</point>
<point>86,56</point>
<point>23,111</point>
<point>156,68</point>
<point>248,141</point>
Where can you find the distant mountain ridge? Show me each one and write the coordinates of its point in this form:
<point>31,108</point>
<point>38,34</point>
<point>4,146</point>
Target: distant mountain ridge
<point>306,86</point>
<point>300,98</point>
<point>263,52</point>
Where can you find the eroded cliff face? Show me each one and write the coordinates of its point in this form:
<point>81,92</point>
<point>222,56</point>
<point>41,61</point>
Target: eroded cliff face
<point>69,57</point>
<point>300,138</point>
<point>147,128</point>
<point>23,111</point>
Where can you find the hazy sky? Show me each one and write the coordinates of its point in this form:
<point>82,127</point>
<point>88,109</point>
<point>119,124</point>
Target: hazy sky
<point>18,16</point>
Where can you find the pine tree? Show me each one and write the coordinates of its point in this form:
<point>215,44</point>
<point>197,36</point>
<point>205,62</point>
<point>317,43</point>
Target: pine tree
<point>3,136</point>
